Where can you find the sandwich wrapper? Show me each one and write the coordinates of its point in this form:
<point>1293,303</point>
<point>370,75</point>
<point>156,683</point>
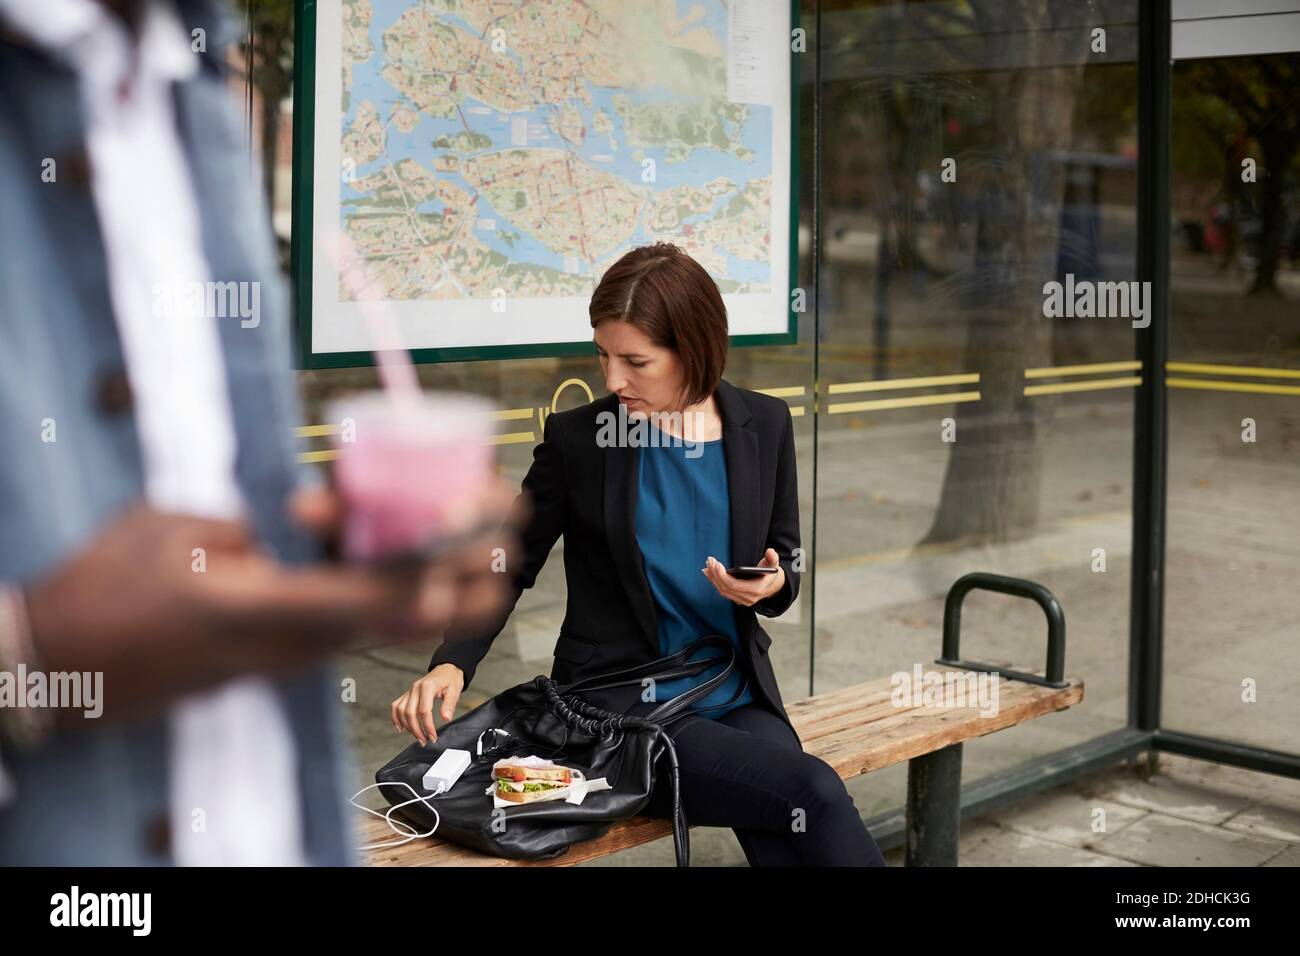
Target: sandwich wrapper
<point>575,793</point>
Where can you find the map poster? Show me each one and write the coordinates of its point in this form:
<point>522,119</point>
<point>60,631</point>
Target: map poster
<point>487,160</point>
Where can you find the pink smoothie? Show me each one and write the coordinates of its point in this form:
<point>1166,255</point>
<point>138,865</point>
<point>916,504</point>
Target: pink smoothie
<point>409,473</point>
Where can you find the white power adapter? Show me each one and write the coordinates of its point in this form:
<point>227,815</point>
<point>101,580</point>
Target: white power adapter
<point>446,770</point>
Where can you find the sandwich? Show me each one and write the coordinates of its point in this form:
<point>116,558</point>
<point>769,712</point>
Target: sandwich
<point>520,783</point>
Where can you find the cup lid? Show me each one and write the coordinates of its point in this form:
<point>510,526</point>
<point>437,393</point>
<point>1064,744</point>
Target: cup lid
<point>430,416</point>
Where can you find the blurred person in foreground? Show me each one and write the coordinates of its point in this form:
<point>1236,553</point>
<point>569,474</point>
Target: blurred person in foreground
<point>153,528</point>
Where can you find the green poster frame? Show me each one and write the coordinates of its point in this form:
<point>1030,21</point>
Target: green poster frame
<point>300,252</point>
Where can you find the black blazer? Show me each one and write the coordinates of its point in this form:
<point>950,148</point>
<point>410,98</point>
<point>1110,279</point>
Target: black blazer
<point>588,494</point>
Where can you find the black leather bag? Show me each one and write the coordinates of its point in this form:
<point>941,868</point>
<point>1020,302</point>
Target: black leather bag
<point>555,722</point>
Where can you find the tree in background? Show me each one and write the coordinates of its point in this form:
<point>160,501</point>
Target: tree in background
<point>268,59</point>
<point>1256,100</point>
<point>999,86</point>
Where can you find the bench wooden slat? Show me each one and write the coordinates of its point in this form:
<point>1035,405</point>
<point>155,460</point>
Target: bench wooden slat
<point>849,707</point>
<point>854,729</point>
<point>913,733</point>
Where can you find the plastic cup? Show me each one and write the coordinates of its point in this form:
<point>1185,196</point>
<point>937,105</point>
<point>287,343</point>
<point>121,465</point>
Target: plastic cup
<point>410,472</point>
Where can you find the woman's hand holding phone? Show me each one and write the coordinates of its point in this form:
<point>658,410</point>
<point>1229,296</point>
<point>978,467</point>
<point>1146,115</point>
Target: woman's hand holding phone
<point>746,591</point>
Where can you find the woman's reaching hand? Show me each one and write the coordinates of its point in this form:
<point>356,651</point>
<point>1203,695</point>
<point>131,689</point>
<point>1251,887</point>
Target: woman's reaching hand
<point>413,711</point>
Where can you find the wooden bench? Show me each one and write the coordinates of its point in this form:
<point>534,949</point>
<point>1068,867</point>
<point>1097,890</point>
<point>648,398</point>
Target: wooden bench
<point>856,730</point>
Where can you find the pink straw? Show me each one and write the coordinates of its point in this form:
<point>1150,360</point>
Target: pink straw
<point>396,371</point>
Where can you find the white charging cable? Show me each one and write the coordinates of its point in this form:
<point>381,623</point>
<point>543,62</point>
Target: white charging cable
<point>388,817</point>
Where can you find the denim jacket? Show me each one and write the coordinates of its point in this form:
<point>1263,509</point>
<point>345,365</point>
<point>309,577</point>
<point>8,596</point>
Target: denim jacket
<point>99,796</point>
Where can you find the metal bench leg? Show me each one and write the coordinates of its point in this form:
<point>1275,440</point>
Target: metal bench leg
<point>934,807</point>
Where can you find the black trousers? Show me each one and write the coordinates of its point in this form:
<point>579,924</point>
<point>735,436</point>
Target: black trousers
<point>745,770</point>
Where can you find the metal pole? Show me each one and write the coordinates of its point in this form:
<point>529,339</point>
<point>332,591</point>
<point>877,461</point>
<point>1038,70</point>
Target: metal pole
<point>934,808</point>
<point>811,566</point>
<point>1150,412</point>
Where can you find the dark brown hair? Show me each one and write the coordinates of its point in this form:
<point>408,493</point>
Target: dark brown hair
<point>673,300</point>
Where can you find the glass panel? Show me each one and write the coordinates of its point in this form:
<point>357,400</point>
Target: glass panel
<point>1233,552</point>
<point>1007,448</point>
<point>974,151</point>
<point>528,389</point>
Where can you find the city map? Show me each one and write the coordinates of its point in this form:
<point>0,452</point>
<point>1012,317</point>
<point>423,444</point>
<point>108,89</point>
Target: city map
<point>500,150</point>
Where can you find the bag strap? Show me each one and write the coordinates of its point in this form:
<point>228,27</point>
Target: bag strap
<point>670,667</point>
<point>680,705</point>
<point>708,686</point>
<point>665,668</point>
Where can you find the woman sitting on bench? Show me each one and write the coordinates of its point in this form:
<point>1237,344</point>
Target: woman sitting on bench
<point>658,488</point>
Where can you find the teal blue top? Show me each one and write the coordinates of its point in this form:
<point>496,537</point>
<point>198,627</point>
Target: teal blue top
<point>683,516</point>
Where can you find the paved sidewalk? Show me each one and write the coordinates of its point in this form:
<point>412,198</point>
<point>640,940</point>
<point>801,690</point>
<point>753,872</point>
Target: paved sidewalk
<point>1188,813</point>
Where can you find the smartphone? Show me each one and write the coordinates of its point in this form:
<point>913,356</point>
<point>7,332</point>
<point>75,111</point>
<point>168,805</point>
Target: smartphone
<point>750,571</point>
